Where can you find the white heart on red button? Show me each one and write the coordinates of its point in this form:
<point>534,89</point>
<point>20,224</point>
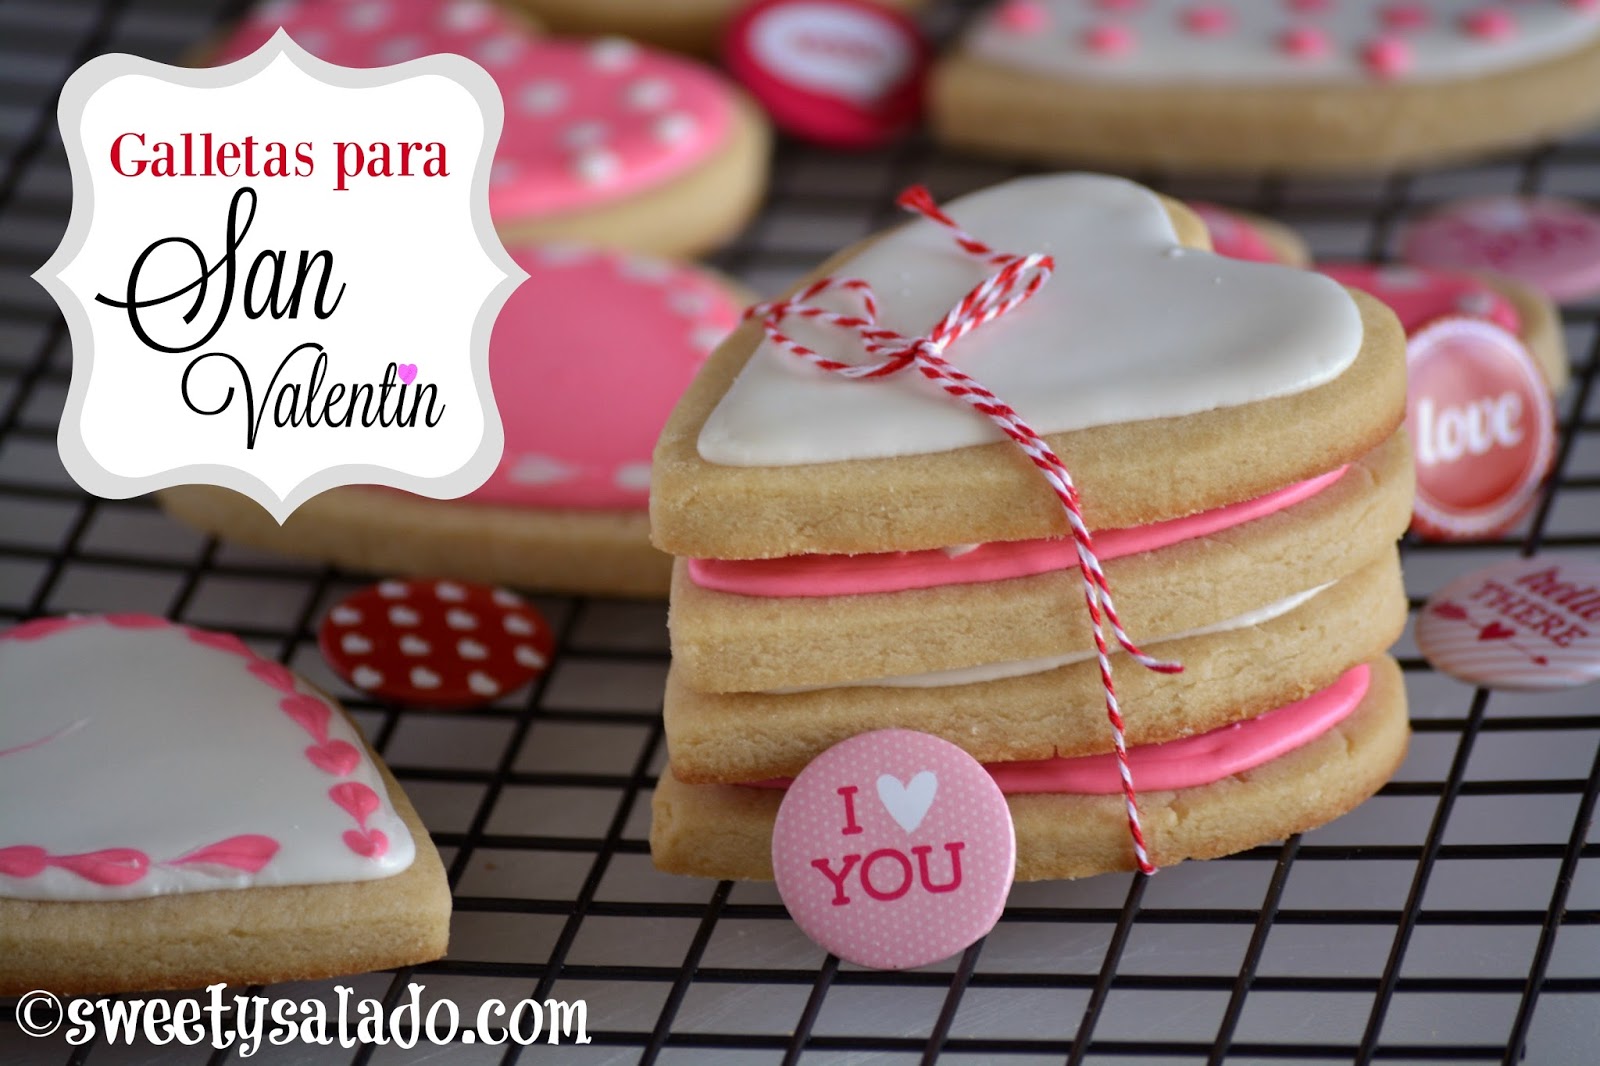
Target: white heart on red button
<point>414,645</point>
<point>403,616</point>
<point>355,644</point>
<point>468,648</point>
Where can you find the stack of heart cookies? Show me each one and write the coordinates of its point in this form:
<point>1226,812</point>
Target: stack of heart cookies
<point>930,489</point>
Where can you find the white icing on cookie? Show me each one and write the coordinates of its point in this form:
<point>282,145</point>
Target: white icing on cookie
<point>1130,327</point>
<point>138,758</point>
<point>1257,42</point>
<point>972,675</point>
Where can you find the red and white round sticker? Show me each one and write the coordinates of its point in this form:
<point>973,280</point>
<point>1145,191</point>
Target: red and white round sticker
<point>843,73</point>
<point>1481,425</point>
<point>1526,624</point>
<point>435,643</point>
<point>894,849</point>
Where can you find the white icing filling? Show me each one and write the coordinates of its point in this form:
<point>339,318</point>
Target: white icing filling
<point>143,739</point>
<point>972,675</point>
<point>1130,327</point>
<point>1250,52</point>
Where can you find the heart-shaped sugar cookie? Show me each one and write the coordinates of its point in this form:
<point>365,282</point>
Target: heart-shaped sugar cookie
<point>1131,326</point>
<point>139,759</point>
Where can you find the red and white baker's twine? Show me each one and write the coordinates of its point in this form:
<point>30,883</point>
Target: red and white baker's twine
<point>1016,278</point>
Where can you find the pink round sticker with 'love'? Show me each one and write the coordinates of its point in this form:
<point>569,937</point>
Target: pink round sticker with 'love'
<point>1526,624</point>
<point>894,849</point>
<point>1481,424</point>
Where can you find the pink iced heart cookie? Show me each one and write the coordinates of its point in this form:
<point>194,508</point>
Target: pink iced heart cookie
<point>589,124</point>
<point>142,758</point>
<point>1240,235</point>
<point>588,357</point>
<point>1420,295</point>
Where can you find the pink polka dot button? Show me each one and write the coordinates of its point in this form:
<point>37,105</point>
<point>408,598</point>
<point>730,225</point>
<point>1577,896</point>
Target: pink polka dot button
<point>1526,624</point>
<point>894,849</point>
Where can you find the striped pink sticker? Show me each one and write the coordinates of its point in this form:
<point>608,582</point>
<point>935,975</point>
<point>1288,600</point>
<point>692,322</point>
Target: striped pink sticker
<point>1526,624</point>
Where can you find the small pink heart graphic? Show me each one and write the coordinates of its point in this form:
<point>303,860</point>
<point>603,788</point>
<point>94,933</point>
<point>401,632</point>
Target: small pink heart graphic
<point>407,372</point>
<point>221,641</point>
<point>1496,631</point>
<point>40,628</point>
<point>1449,610</point>
<point>273,675</point>
<point>114,866</point>
<point>334,757</point>
<point>370,843</point>
<point>310,712</point>
<point>249,852</point>
<point>357,799</point>
<point>22,861</point>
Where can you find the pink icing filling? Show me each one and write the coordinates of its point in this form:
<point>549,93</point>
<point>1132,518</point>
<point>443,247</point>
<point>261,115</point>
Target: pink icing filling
<point>586,122</point>
<point>1418,295</point>
<point>587,358</point>
<point>854,575</point>
<point>1187,762</point>
<point>1193,761</point>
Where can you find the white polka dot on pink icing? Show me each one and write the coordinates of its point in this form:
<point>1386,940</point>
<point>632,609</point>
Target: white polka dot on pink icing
<point>657,115</point>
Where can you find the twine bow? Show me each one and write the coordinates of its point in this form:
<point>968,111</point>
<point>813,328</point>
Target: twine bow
<point>1016,279</point>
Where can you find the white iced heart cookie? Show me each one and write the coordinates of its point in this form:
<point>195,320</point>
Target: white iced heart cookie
<point>142,758</point>
<point>1131,326</point>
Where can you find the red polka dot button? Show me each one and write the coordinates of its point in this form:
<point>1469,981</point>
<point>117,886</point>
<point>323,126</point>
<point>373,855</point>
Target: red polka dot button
<point>435,643</point>
<point>894,849</point>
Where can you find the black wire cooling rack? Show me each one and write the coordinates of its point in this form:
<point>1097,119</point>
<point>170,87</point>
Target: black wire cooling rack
<point>1454,918</point>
